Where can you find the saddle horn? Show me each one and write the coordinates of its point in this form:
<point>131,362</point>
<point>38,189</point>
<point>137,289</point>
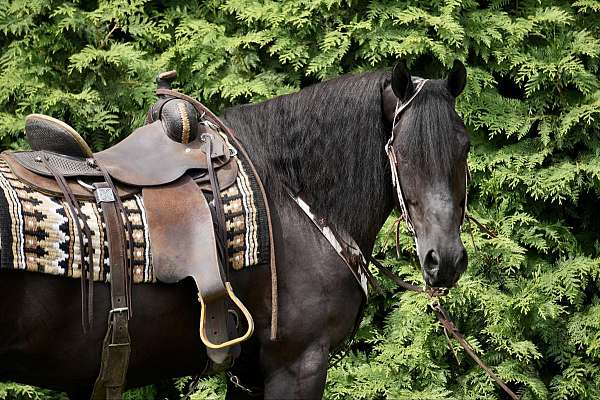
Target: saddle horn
<point>179,117</point>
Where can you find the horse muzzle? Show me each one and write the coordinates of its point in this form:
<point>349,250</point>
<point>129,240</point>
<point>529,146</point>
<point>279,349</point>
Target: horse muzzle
<point>442,267</point>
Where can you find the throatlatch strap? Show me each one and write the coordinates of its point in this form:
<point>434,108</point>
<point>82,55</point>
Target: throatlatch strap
<point>116,347</point>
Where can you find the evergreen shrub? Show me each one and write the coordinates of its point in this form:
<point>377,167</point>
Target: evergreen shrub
<point>529,301</point>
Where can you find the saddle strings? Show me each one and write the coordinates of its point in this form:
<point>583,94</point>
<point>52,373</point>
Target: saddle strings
<point>87,274</point>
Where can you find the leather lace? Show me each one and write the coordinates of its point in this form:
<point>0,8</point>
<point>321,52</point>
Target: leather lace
<point>87,273</point>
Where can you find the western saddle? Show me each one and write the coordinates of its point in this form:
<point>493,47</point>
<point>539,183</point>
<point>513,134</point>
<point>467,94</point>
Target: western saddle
<point>171,161</point>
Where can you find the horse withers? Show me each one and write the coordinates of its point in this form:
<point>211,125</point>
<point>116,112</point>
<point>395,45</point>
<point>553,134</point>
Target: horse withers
<point>327,142</point>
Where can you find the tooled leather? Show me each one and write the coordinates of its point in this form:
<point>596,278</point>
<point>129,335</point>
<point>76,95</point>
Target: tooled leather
<point>227,176</point>
<point>62,164</point>
<point>43,134</point>
<point>49,186</point>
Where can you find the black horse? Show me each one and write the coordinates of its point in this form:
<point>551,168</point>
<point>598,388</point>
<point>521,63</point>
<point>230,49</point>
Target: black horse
<point>327,142</point>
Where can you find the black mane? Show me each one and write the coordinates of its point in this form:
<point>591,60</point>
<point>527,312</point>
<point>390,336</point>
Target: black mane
<point>427,143</point>
<point>327,142</point>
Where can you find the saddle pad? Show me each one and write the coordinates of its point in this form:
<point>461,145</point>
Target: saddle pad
<point>38,232</point>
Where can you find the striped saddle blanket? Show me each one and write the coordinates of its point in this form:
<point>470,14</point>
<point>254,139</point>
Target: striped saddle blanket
<point>38,233</point>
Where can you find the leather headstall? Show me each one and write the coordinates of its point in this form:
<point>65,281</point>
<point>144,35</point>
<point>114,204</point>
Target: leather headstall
<point>353,257</point>
<point>389,149</point>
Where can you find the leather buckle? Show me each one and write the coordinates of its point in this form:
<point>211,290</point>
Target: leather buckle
<point>118,310</point>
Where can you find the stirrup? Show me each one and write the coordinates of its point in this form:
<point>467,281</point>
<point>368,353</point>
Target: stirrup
<point>50,134</point>
<point>231,342</point>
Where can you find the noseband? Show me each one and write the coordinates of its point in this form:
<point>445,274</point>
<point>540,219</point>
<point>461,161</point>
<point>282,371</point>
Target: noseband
<point>389,149</point>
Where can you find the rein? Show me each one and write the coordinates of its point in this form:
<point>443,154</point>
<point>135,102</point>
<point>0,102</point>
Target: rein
<point>432,293</point>
<point>351,254</point>
<point>447,323</point>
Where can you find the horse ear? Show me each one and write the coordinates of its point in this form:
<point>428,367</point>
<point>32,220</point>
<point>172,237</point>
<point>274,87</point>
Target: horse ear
<point>457,79</point>
<point>401,81</point>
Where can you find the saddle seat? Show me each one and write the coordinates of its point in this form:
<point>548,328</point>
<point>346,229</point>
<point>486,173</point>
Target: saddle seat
<point>147,157</point>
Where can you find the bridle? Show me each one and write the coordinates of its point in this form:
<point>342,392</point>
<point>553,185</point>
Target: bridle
<point>389,149</point>
<point>391,153</point>
<point>433,293</point>
<point>350,252</point>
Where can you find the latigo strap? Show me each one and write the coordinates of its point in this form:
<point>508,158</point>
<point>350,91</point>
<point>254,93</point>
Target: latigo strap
<point>116,347</point>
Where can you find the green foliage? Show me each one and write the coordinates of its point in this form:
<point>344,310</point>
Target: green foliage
<point>529,301</point>
<point>12,391</point>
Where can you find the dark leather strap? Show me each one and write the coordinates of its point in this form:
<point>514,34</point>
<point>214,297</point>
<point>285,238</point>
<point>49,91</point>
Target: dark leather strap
<point>87,274</point>
<point>129,239</point>
<point>206,113</point>
<point>447,323</point>
<point>342,246</point>
<point>395,278</point>
<point>272,258</point>
<point>116,347</point>
<point>449,327</point>
<point>217,201</point>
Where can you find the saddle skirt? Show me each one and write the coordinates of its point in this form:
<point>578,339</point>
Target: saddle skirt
<point>38,233</point>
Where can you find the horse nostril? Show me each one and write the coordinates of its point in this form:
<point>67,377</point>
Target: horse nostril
<point>432,260</point>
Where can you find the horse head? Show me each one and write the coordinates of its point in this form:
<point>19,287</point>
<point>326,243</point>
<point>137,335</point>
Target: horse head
<point>428,155</point>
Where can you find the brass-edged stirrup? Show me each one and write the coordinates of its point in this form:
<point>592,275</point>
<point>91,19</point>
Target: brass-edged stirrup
<point>231,342</point>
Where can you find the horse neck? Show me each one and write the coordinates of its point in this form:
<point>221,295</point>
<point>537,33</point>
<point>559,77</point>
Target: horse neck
<point>343,174</point>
